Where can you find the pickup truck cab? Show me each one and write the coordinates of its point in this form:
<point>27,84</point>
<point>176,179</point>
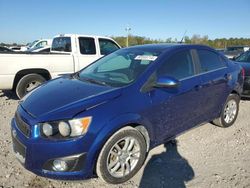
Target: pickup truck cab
<point>69,53</point>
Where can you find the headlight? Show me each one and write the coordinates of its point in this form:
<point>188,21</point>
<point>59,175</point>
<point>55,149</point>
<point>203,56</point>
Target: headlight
<point>47,129</point>
<point>70,128</point>
<point>64,128</point>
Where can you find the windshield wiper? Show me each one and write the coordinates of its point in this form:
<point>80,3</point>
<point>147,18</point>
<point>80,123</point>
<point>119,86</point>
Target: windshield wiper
<point>94,81</point>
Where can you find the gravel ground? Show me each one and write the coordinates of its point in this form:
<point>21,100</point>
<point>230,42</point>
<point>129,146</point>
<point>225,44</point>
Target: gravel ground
<point>206,156</point>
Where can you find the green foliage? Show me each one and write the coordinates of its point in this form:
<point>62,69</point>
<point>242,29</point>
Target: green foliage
<point>217,43</point>
<point>138,40</point>
<point>195,39</point>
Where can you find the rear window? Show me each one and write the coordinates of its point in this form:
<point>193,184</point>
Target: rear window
<point>87,45</point>
<point>209,60</point>
<point>61,44</point>
<point>245,57</point>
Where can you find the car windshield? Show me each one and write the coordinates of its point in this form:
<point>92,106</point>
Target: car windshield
<point>119,68</point>
<point>245,57</point>
<point>235,48</point>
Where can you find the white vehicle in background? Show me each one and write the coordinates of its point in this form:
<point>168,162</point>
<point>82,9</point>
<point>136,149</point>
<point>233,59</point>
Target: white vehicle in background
<point>37,44</point>
<point>15,48</point>
<point>44,49</point>
<point>69,53</point>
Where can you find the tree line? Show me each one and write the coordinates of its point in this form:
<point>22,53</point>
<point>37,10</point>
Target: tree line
<point>195,39</point>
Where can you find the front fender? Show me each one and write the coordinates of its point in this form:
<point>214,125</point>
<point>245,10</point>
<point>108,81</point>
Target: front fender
<point>110,128</point>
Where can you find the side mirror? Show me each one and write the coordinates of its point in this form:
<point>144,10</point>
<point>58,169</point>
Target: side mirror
<point>167,82</point>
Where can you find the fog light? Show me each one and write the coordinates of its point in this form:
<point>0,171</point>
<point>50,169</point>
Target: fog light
<point>59,165</point>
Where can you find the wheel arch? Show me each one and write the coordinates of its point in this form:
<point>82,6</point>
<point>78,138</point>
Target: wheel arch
<point>43,72</point>
<point>235,92</point>
<point>117,124</point>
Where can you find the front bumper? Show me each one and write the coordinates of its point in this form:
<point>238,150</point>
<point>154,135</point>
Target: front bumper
<point>37,154</point>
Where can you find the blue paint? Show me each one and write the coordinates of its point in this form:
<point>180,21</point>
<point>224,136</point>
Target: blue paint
<point>164,112</point>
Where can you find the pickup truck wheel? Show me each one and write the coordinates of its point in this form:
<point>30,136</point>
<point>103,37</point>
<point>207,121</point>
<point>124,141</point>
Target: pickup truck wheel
<point>122,156</point>
<point>28,83</point>
<point>229,112</point>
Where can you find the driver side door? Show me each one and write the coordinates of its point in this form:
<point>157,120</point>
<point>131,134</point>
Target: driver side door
<point>174,110</point>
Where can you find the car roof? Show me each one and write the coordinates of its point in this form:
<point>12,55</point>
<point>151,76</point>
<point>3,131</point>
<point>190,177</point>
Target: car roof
<point>164,47</point>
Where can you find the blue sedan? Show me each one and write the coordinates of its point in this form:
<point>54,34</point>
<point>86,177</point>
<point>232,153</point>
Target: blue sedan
<point>104,119</point>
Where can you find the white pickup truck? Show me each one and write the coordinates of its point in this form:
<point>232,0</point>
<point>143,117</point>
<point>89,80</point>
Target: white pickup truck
<point>22,72</point>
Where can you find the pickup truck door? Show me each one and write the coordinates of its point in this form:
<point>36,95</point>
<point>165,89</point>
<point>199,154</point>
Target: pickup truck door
<point>87,52</point>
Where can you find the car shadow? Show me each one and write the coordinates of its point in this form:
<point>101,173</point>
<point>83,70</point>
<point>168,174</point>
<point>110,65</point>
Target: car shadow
<point>245,98</point>
<point>9,94</point>
<point>167,169</point>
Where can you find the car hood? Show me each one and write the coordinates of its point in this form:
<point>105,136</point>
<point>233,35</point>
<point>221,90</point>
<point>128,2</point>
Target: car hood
<point>65,97</point>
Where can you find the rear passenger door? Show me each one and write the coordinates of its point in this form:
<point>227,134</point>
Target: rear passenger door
<point>214,77</point>
<point>87,51</point>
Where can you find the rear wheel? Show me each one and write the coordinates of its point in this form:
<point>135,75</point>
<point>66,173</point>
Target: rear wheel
<point>28,83</point>
<point>229,112</point>
<point>122,156</point>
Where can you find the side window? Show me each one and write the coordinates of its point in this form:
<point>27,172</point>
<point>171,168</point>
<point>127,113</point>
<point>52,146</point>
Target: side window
<point>62,44</point>
<point>209,60</point>
<point>41,44</point>
<point>87,45</point>
<point>179,66</point>
<point>107,46</point>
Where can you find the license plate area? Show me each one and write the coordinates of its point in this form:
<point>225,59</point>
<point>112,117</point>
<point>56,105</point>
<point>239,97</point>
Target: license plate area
<point>18,148</point>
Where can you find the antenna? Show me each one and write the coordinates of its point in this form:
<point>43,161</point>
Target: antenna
<point>183,36</point>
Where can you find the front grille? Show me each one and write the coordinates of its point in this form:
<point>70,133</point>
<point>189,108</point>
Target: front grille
<point>22,126</point>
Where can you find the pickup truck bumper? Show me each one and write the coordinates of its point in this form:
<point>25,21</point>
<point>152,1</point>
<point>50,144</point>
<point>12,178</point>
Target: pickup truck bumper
<point>6,81</point>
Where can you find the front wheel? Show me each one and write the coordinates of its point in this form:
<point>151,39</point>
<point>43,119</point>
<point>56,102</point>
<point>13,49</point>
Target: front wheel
<point>229,112</point>
<point>28,83</point>
<point>122,156</point>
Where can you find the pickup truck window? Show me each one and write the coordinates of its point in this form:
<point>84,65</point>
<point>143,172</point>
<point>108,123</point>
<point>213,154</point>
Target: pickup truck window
<point>107,46</point>
<point>209,60</point>
<point>87,45</point>
<point>62,44</point>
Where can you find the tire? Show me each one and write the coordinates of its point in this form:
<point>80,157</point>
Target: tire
<point>128,160</point>
<point>28,83</point>
<point>229,112</point>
